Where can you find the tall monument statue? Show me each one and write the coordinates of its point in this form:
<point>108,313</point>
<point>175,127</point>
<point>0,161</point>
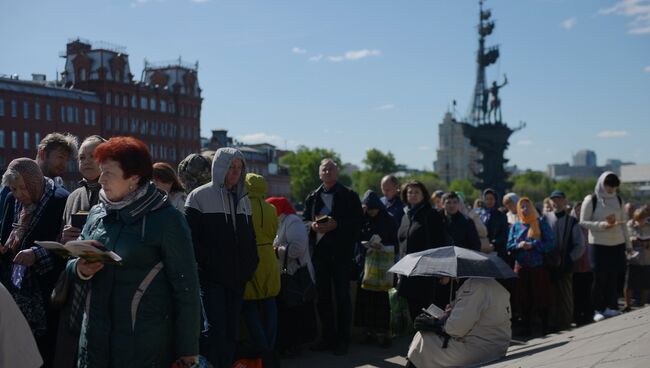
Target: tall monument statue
<point>484,126</point>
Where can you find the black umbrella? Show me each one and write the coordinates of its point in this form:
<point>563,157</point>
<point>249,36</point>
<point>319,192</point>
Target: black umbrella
<point>454,262</point>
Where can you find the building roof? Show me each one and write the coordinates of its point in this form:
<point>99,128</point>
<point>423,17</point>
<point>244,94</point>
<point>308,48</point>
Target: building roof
<point>635,173</point>
<point>18,86</point>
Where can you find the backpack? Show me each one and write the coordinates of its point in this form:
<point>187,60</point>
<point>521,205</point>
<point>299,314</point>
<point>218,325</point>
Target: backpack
<point>594,201</point>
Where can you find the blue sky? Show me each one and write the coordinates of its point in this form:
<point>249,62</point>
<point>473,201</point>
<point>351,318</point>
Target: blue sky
<point>356,74</point>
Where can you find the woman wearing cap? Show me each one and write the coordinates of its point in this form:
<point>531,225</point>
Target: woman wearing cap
<point>33,211</point>
<point>372,310</point>
<point>530,238</point>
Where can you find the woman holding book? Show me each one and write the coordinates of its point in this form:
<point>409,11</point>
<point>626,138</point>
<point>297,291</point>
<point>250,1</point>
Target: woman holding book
<point>146,311</point>
<point>32,211</point>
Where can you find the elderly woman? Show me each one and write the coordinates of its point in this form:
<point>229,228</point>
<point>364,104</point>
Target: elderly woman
<point>530,238</point>
<point>80,200</point>
<point>372,305</point>
<point>33,211</point>
<point>422,228</point>
<point>144,312</point>
<point>166,180</point>
<point>477,324</point>
<point>296,324</point>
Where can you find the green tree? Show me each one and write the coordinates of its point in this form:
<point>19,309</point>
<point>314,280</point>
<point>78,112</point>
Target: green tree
<point>576,189</point>
<point>430,180</point>
<point>532,184</point>
<point>466,187</point>
<point>377,164</point>
<point>303,167</point>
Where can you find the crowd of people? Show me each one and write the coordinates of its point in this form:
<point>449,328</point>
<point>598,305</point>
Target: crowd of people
<point>214,270</point>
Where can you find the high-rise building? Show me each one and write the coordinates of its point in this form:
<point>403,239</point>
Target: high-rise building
<point>456,157</point>
<point>585,158</point>
<point>97,94</point>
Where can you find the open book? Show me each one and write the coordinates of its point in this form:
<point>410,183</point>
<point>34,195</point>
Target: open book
<point>90,250</point>
<point>434,311</point>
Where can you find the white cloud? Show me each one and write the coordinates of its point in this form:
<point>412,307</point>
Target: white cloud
<point>612,134</point>
<point>638,10</point>
<point>424,148</point>
<point>298,50</point>
<point>386,107</point>
<point>354,55</point>
<point>261,138</point>
<point>647,69</point>
<point>316,58</point>
<point>524,142</point>
<point>568,23</point>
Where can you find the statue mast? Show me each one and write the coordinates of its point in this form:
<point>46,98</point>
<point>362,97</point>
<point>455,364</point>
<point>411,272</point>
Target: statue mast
<point>485,57</point>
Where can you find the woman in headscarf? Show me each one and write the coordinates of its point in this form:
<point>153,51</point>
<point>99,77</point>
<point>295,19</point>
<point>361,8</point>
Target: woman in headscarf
<point>33,211</point>
<point>296,325</point>
<point>166,180</point>
<point>530,238</point>
<point>372,306</point>
<point>146,310</point>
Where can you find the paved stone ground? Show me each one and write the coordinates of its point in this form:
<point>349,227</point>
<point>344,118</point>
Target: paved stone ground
<point>619,342</point>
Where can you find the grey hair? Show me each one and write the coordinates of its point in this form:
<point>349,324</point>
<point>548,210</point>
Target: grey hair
<point>93,139</point>
<point>9,177</point>
<point>327,160</point>
<point>57,141</point>
<point>391,179</point>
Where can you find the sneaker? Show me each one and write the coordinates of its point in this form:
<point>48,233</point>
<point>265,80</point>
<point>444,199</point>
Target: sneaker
<point>598,317</point>
<point>611,313</point>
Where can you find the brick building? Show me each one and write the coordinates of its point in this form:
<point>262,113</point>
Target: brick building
<point>97,94</point>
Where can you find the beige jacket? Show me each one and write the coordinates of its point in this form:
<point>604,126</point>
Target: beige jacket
<point>479,324</point>
<point>17,345</point>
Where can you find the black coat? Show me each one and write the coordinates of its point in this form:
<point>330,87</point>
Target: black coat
<point>463,231</point>
<point>498,229</point>
<point>337,244</point>
<point>422,228</point>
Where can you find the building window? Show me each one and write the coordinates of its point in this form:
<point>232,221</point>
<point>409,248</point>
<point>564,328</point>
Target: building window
<point>153,150</point>
<point>14,139</point>
<point>134,126</point>
<point>37,111</point>
<point>162,151</point>
<point>144,126</point>
<point>125,101</point>
<point>14,108</point>
<point>117,123</point>
<point>182,131</point>
<point>37,139</point>
<point>25,110</point>
<point>125,124</point>
<point>107,123</point>
<point>48,112</point>
<point>62,113</point>
<point>108,98</point>
<point>154,128</point>
<point>70,114</point>
<point>26,140</point>
<point>172,107</point>
<point>143,103</point>
<point>2,107</point>
<point>152,104</point>
<point>182,110</point>
<point>92,117</point>
<point>2,139</point>
<point>117,100</point>
<point>163,129</point>
<point>82,74</point>
<point>86,117</point>
<point>76,114</point>
<point>134,101</point>
<point>163,106</point>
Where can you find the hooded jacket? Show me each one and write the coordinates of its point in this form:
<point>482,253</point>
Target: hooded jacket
<point>266,280</point>
<point>222,227</point>
<point>596,221</point>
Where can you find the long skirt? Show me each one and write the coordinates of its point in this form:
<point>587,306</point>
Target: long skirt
<point>372,310</point>
<point>296,326</point>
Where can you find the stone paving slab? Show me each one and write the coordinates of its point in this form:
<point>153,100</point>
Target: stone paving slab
<point>619,342</point>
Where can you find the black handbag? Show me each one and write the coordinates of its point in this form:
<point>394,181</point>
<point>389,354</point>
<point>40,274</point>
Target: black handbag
<point>296,289</point>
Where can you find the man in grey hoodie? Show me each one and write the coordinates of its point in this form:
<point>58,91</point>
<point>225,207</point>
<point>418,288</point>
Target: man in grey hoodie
<point>603,214</point>
<point>219,215</point>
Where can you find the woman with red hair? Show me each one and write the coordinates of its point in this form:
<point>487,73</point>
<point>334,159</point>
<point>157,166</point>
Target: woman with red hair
<point>296,325</point>
<point>144,311</point>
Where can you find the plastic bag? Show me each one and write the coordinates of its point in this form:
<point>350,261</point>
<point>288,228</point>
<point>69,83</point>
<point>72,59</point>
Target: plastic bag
<point>375,269</point>
<point>400,318</point>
